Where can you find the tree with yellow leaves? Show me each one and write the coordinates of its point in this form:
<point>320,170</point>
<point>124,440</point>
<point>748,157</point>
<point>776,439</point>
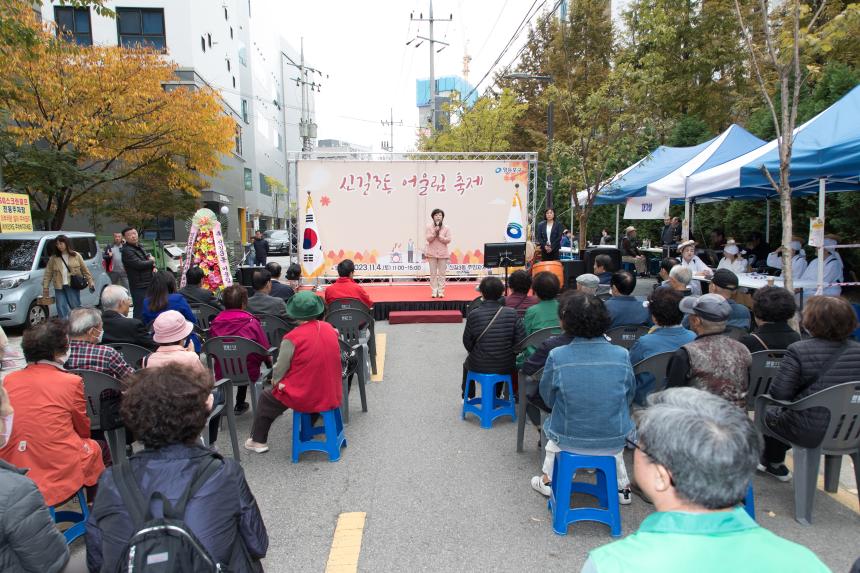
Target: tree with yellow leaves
<point>82,119</point>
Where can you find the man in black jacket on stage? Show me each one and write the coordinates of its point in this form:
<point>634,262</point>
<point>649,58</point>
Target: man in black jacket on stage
<point>139,267</point>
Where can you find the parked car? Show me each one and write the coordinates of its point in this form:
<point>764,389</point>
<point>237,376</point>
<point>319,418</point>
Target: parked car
<point>23,257</point>
<point>173,259</point>
<point>279,242</point>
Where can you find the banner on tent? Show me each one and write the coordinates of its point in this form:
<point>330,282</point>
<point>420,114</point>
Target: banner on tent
<point>376,212</point>
<point>646,208</point>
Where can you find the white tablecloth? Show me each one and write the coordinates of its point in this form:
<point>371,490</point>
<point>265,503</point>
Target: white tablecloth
<point>756,281</point>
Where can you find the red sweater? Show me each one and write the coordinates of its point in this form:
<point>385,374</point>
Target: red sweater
<point>345,287</point>
<point>313,382</point>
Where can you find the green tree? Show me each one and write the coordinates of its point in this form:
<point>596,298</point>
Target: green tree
<point>486,126</point>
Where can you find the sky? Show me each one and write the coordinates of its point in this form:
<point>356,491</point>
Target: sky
<point>372,72</point>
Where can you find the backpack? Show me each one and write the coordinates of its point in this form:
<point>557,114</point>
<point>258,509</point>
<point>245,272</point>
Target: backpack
<point>163,544</point>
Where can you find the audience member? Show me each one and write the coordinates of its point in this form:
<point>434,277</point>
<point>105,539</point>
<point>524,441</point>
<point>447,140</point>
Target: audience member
<point>725,283</point>
<point>773,307</point>
<point>194,293</point>
<point>279,289</point>
<point>116,303</point>
<point>345,286</point>
<point>491,333</point>
<point>695,458</point>
<point>671,233</point>
<point>519,299</point>
<point>29,540</point>
<point>545,313</point>
<point>797,254</point>
<point>691,261</point>
<point>712,361</point>
<point>307,376</point>
<point>603,268</point>
<point>732,259</point>
<point>237,321</point>
<point>809,366</point>
<point>51,434</point>
<point>680,278</point>
<point>605,237</point>
<point>171,332</point>
<point>667,336</point>
<point>294,277</point>
<point>588,384</point>
<point>86,351</point>
<point>161,295</point>
<point>139,267</point>
<point>262,301</point>
<point>833,270</point>
<point>718,239</point>
<point>758,249</point>
<point>666,265</point>
<point>64,269</point>
<point>630,251</point>
<point>166,408</point>
<point>587,283</point>
<point>624,308</point>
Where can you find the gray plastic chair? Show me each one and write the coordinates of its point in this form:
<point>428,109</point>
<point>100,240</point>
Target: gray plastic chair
<point>340,309</point>
<point>275,328</point>
<point>522,381</point>
<point>656,366</point>
<point>347,352</point>
<point>764,368</point>
<point>537,338</point>
<point>735,332</point>
<point>132,353</point>
<point>626,336</point>
<point>99,385</point>
<point>225,409</point>
<point>204,313</point>
<point>842,437</point>
<point>231,354</point>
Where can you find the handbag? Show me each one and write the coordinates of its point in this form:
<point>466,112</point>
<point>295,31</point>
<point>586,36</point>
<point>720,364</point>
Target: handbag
<point>77,282</point>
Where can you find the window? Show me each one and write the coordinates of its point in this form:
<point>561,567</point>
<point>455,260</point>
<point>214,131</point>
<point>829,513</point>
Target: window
<point>141,27</point>
<point>74,24</point>
<point>265,188</point>
<point>159,229</point>
<point>225,13</point>
<point>238,140</point>
<point>245,110</point>
<point>86,246</point>
<point>249,180</point>
<point>228,64</point>
<point>279,140</point>
<point>203,43</point>
<point>243,56</point>
<point>234,81</point>
<point>209,39</point>
<point>231,32</point>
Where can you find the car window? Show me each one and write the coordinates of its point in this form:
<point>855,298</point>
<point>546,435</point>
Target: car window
<point>85,246</point>
<point>17,254</point>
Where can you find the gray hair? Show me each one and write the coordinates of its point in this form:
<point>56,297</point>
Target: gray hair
<point>112,296</point>
<point>709,445</point>
<point>712,327</point>
<point>681,274</point>
<point>82,319</point>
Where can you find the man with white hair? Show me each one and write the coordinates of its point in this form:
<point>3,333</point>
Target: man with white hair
<point>680,278</point>
<point>86,352</point>
<point>798,258</point>
<point>116,303</point>
<point>833,269</point>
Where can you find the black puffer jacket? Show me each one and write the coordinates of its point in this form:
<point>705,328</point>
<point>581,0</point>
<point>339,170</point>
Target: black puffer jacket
<point>494,352</point>
<point>29,541</point>
<point>137,265</point>
<point>798,377</point>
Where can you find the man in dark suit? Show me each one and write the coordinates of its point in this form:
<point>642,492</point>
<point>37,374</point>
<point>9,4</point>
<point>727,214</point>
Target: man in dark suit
<point>549,237</point>
<point>279,289</point>
<point>117,327</point>
<point>263,302</point>
<point>194,293</point>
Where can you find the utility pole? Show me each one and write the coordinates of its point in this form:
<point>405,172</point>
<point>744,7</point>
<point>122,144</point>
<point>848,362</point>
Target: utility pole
<point>389,145</point>
<point>432,40</point>
<point>307,127</point>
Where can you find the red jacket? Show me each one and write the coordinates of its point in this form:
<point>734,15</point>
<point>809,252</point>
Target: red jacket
<point>235,322</point>
<point>345,287</point>
<point>313,382</point>
<point>51,431</point>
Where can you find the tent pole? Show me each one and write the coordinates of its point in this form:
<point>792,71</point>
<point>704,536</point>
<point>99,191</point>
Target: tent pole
<point>617,223</point>
<point>692,218</point>
<point>767,221</point>
<point>821,189</point>
<point>686,226</point>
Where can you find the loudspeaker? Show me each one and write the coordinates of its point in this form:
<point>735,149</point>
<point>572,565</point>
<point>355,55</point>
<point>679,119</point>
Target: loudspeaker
<point>572,269</point>
<point>246,275</point>
<point>613,252</point>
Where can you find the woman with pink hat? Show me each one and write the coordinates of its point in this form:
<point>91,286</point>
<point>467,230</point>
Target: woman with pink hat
<point>171,332</point>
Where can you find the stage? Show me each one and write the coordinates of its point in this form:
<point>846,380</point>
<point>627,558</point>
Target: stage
<point>416,296</point>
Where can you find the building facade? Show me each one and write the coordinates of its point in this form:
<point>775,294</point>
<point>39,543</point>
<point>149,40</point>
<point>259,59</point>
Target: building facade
<point>234,47</point>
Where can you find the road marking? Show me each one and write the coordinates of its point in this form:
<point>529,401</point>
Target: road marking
<point>346,544</point>
<point>380,357</point>
<point>841,495</point>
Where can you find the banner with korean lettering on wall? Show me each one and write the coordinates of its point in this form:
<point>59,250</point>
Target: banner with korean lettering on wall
<point>376,212</point>
<point>646,208</point>
<point>15,213</point>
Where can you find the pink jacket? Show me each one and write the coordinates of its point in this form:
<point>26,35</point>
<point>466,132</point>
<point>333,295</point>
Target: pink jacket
<point>437,247</point>
<point>235,322</point>
<point>175,354</point>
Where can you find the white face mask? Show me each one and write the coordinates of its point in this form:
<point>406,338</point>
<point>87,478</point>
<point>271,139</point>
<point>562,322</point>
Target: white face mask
<point>63,358</point>
<point>7,429</point>
<point>101,335</point>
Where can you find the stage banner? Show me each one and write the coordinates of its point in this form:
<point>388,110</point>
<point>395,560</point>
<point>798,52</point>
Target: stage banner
<point>646,208</point>
<point>376,212</point>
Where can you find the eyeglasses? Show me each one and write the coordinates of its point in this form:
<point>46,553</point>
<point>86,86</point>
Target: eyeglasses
<point>635,445</point>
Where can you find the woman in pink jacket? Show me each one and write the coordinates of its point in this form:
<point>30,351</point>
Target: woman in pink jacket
<point>436,252</point>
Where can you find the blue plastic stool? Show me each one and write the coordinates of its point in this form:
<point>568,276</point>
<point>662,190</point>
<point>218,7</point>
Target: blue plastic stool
<point>78,519</point>
<point>487,407</point>
<point>749,502</point>
<point>304,433</point>
<point>605,490</point>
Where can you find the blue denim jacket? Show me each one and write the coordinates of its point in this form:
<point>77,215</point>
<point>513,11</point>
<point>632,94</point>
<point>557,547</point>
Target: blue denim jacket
<point>589,385</point>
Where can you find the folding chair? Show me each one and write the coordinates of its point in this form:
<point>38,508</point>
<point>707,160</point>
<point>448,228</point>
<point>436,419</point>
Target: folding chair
<point>350,324</point>
<point>626,336</point>
<point>275,328</point>
<point>231,354</point>
<point>204,313</point>
<point>97,388</point>
<point>132,353</point>
<point>347,352</point>
<point>764,368</point>
<point>349,303</point>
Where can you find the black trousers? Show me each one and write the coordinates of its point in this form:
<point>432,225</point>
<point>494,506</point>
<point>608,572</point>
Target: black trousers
<point>774,450</point>
<point>137,296</point>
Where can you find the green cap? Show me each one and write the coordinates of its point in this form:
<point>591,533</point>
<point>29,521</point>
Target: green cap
<point>305,305</point>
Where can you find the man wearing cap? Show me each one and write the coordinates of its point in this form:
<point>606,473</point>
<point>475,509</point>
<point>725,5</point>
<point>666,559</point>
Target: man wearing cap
<point>833,270</point>
<point>725,284</point>
<point>307,375</point>
<point>713,361</point>
<point>587,283</point>
<point>630,251</point>
<point>798,258</point>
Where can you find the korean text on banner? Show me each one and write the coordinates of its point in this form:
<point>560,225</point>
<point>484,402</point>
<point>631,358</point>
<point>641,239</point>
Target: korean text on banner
<point>15,213</point>
<point>313,261</point>
<point>646,207</point>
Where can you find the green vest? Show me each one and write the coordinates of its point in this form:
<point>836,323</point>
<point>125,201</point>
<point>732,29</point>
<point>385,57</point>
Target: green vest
<point>716,542</point>
<point>541,315</point>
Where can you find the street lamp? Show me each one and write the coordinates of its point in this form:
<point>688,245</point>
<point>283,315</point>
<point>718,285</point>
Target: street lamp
<point>549,129</point>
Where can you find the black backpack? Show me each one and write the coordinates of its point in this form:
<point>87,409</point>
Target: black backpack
<point>163,544</point>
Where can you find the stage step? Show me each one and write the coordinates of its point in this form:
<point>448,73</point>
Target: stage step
<point>424,316</point>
